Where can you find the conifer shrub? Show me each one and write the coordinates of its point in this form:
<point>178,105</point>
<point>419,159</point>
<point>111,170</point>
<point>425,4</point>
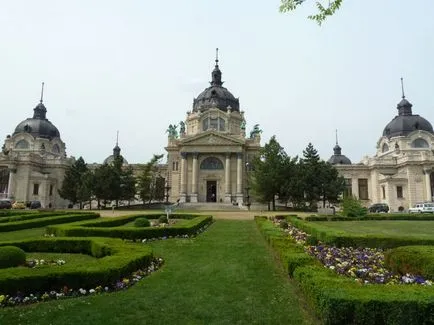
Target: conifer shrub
<point>142,222</point>
<point>163,219</point>
<point>352,208</point>
<point>11,256</point>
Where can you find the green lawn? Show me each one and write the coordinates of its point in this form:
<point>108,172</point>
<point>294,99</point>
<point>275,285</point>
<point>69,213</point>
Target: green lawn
<point>22,234</point>
<point>417,229</point>
<point>227,275</point>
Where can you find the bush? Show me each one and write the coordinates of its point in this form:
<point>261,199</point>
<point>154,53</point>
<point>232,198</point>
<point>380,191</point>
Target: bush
<point>142,222</point>
<point>352,207</point>
<point>283,224</point>
<point>11,256</point>
<point>163,219</point>
<point>411,259</point>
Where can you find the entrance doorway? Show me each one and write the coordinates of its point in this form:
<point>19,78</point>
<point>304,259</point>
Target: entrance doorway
<point>432,186</point>
<point>211,191</point>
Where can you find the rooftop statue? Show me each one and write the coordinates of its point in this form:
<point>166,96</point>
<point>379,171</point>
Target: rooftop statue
<point>181,127</point>
<point>256,131</point>
<point>171,130</point>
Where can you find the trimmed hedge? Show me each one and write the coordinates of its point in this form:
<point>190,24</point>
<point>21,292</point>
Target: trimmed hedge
<point>30,216</point>
<point>115,259</point>
<point>372,216</point>
<point>412,259</point>
<point>97,229</point>
<point>340,238</point>
<point>339,300</point>
<point>45,221</point>
<point>11,256</point>
<point>142,222</point>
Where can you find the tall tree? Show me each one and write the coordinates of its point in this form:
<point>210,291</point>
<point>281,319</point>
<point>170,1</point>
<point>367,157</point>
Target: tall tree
<point>148,188</point>
<point>74,182</point>
<point>332,185</point>
<point>324,10</point>
<point>266,176</point>
<point>311,170</point>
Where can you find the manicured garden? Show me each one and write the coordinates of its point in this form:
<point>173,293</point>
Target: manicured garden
<point>344,279</point>
<point>226,275</point>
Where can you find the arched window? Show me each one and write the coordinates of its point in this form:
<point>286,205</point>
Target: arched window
<point>420,143</point>
<point>385,148</point>
<point>211,163</point>
<point>22,144</point>
<point>56,148</point>
<point>217,123</point>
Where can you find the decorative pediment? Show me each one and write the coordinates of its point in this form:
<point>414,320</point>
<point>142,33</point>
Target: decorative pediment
<point>213,139</point>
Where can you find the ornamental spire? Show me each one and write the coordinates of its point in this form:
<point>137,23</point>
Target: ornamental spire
<point>216,73</point>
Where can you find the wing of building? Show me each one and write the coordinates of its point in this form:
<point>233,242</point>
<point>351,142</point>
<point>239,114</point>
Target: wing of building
<point>401,172</point>
<point>208,156</point>
<point>33,162</point>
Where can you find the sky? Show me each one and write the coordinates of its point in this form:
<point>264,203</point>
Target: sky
<point>135,66</point>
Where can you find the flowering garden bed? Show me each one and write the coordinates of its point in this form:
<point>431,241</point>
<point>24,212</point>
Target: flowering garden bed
<point>113,261</point>
<point>115,227</point>
<point>342,299</point>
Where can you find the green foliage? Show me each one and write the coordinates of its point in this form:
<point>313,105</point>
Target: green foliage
<point>77,183</point>
<point>352,207</point>
<point>163,219</point>
<point>411,259</point>
<point>113,228</point>
<point>150,186</point>
<point>11,256</point>
<point>323,11</point>
<point>283,224</point>
<point>142,222</point>
<point>115,259</point>
<point>45,221</point>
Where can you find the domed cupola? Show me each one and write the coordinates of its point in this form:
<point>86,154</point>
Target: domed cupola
<point>116,153</point>
<point>406,122</point>
<point>338,158</point>
<point>216,96</point>
<point>38,126</point>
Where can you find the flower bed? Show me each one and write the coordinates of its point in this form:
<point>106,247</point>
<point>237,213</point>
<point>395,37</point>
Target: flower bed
<point>112,227</point>
<point>342,300</point>
<point>114,259</point>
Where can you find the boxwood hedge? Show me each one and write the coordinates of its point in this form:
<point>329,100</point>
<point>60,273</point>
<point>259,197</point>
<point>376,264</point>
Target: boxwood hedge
<point>412,259</point>
<point>44,220</point>
<point>341,300</point>
<point>30,216</point>
<point>114,259</point>
<point>113,227</point>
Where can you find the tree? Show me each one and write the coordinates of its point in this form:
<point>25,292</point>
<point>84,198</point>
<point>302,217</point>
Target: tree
<point>75,187</point>
<point>103,183</point>
<point>149,186</point>
<point>310,169</point>
<point>324,11</point>
<point>267,170</point>
<point>332,185</point>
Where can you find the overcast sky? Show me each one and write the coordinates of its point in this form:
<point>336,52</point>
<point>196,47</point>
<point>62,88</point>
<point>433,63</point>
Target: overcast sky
<point>135,66</point>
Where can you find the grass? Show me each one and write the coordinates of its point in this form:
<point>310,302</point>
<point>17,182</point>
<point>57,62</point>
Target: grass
<point>22,234</point>
<point>77,259</point>
<point>404,228</point>
<point>227,275</point>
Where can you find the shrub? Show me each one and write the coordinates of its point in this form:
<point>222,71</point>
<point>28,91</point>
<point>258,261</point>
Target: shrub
<point>163,219</point>
<point>412,259</point>
<point>142,222</point>
<point>352,207</point>
<point>11,256</point>
<point>283,224</point>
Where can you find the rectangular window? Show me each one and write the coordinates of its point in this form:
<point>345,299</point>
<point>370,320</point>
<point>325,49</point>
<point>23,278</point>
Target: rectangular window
<point>363,189</point>
<point>348,191</point>
<point>35,189</point>
<point>51,189</point>
<point>399,193</point>
<point>383,191</point>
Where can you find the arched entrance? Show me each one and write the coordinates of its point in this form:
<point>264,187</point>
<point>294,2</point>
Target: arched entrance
<point>4,181</point>
<point>431,177</point>
<point>211,191</point>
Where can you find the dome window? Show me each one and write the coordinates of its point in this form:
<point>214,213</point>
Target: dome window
<point>218,124</point>
<point>385,148</point>
<point>56,148</point>
<point>22,144</point>
<point>420,143</point>
<point>211,163</point>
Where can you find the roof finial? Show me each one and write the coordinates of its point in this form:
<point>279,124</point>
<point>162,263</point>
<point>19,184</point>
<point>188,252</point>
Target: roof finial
<point>402,87</point>
<point>336,136</point>
<point>42,92</point>
<point>117,137</point>
<point>217,57</point>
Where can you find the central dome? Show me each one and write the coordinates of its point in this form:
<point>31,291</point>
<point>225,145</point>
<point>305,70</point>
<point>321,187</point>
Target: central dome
<point>405,122</point>
<point>216,96</point>
<point>38,126</point>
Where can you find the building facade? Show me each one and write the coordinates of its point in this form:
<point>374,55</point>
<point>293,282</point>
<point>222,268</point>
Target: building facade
<point>401,173</point>
<point>33,161</point>
<point>208,159</point>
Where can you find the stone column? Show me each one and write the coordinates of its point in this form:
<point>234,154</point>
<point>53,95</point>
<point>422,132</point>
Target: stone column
<point>427,173</point>
<point>228,194</point>
<point>11,183</point>
<point>240,178</point>
<point>184,170</point>
<point>193,196</point>
<point>355,187</point>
